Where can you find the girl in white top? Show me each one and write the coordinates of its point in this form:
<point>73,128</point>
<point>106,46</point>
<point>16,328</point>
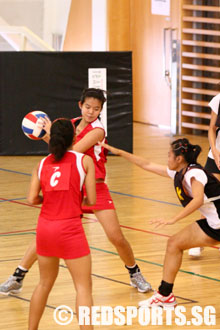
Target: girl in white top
<point>196,190</point>
<point>213,160</point>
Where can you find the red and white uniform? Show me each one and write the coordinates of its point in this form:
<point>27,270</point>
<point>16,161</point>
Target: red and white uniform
<point>98,154</point>
<point>59,231</point>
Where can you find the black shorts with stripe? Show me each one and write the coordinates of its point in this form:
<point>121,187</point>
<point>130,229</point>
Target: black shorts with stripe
<point>213,233</point>
<point>210,166</point>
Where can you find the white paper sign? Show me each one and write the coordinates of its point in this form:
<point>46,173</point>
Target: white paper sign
<point>160,7</point>
<point>98,79</point>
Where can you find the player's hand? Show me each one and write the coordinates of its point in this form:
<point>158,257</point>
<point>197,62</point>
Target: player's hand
<point>47,125</point>
<point>40,123</point>
<point>44,123</point>
<point>161,222</point>
<point>113,150</point>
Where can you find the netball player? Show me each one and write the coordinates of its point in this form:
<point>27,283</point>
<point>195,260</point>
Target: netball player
<point>60,177</point>
<point>195,189</point>
<point>213,161</point>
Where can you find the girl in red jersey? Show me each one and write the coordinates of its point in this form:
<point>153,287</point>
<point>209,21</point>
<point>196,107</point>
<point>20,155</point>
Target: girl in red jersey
<point>89,132</point>
<point>60,176</point>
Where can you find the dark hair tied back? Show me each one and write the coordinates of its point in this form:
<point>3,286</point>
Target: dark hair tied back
<point>189,151</point>
<point>61,137</point>
<point>96,93</point>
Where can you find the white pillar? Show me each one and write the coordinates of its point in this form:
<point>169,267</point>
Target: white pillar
<point>99,25</point>
<point>55,18</point>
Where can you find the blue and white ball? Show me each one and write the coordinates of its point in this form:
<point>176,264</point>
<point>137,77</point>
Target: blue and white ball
<point>32,125</point>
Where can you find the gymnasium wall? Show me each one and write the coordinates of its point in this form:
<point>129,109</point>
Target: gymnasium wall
<point>78,35</point>
<point>53,82</point>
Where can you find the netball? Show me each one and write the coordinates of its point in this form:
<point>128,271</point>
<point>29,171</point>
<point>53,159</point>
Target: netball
<point>32,126</point>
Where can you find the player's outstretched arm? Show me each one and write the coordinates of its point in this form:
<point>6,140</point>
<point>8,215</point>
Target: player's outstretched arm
<point>137,160</point>
<point>194,204</point>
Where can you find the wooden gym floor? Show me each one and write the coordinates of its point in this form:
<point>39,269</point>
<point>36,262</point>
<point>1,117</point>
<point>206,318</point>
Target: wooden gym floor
<point>139,196</point>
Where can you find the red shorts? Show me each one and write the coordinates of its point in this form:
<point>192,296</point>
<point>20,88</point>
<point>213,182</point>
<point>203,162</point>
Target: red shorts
<point>103,199</point>
<point>61,238</point>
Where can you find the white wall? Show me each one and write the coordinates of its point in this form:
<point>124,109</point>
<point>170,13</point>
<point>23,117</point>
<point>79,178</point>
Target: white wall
<point>99,25</point>
<point>27,13</point>
<point>43,17</point>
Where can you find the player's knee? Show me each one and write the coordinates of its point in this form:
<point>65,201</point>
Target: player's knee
<point>172,244</point>
<point>84,288</point>
<point>46,286</point>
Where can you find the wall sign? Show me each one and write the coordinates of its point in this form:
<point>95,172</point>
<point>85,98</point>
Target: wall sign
<point>160,7</point>
<point>98,79</point>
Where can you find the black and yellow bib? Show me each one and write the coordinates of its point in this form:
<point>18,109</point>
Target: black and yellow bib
<point>211,189</point>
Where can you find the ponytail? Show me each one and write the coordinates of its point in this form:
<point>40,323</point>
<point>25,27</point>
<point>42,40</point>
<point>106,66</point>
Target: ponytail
<point>189,151</point>
<point>61,137</point>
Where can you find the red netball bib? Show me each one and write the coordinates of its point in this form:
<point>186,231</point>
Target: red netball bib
<point>57,177</point>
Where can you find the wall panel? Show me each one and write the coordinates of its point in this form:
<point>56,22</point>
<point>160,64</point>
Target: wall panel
<point>78,35</point>
<point>118,13</point>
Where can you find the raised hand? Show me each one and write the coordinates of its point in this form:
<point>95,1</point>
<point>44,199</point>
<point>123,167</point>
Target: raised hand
<point>45,123</point>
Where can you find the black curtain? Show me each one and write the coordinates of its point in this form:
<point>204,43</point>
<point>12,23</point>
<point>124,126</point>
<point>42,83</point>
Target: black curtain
<point>53,82</point>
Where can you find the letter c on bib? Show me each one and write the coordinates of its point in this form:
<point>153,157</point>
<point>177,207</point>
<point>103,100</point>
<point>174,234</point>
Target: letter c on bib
<point>53,181</point>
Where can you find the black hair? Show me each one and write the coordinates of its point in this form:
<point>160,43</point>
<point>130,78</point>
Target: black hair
<point>61,137</point>
<point>96,93</point>
<point>189,151</point>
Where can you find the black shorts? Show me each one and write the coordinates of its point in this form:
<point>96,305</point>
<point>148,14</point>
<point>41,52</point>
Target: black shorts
<point>213,233</point>
<point>210,166</point>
